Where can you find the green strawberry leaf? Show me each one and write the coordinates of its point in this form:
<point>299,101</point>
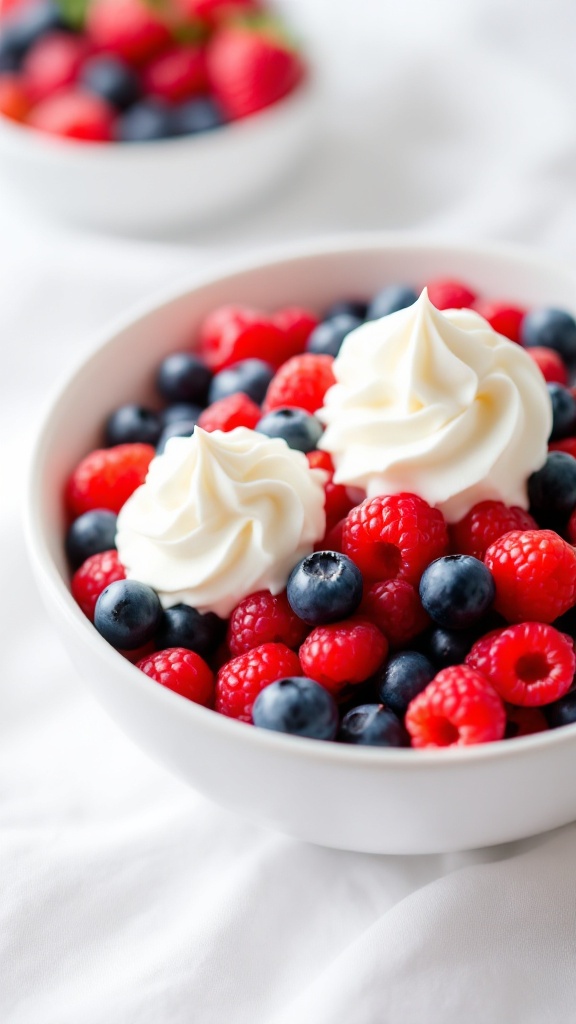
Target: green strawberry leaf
<point>73,11</point>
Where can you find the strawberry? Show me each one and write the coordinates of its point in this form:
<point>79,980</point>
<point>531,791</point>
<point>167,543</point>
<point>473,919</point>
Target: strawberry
<point>128,28</point>
<point>53,63</point>
<point>251,68</point>
<point>215,12</point>
<point>176,74</point>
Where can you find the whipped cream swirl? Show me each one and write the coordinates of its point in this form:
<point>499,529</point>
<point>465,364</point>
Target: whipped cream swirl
<point>220,516</point>
<point>438,404</point>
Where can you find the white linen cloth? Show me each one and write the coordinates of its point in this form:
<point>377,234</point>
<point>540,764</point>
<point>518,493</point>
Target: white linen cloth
<point>126,898</point>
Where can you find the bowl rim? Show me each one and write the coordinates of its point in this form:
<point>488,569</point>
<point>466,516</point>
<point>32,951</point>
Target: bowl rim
<point>61,598</point>
<point>40,143</point>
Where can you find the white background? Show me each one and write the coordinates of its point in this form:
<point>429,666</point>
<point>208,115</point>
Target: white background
<point>125,897</point>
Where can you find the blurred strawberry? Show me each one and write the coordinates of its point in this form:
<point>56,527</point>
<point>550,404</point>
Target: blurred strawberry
<point>74,114</point>
<point>52,63</point>
<point>251,67</point>
<point>176,74</point>
<point>131,29</point>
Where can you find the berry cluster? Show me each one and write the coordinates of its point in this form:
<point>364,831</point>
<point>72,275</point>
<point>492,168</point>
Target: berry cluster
<point>136,71</point>
<point>400,629</point>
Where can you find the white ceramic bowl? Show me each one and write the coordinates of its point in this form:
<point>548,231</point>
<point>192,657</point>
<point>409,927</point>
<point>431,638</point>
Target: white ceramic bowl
<point>140,188</point>
<point>374,800</point>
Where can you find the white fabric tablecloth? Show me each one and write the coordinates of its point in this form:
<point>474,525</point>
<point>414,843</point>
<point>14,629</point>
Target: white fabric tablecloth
<point>126,898</point>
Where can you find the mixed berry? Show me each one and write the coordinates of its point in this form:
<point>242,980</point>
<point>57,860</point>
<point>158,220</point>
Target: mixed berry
<point>399,629</point>
<point>140,70</point>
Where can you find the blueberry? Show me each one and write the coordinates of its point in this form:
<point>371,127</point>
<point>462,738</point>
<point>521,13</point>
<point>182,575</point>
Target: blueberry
<point>326,339</point>
<point>180,428</point>
<point>563,411</point>
<point>25,26</point>
<point>446,647</point>
<point>390,300</point>
<point>561,712</point>
<point>132,424</point>
<point>403,678</point>
<point>183,626</point>
<point>112,79</point>
<point>347,307</point>
<point>180,411</point>
<point>146,121</point>
<point>196,116</point>
<point>127,614</point>
<point>300,429</point>
<point>298,706</point>
<point>324,587</point>
<point>251,376</point>
<point>553,328</point>
<point>10,59</point>
<point>89,534</point>
<point>457,591</point>
<point>183,377</point>
<point>372,725</point>
<point>552,489</point>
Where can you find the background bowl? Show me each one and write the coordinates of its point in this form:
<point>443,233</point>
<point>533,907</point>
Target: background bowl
<point>156,186</point>
<point>372,800</point>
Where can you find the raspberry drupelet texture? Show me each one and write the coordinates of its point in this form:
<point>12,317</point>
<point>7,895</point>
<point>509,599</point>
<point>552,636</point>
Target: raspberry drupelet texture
<point>183,671</point>
<point>338,503</point>
<point>296,325</point>
<point>485,523</point>
<point>529,664</point>
<point>394,537</point>
<point>232,333</point>
<point>535,575</point>
<point>240,681</point>
<point>395,607</point>
<point>236,410</point>
<point>343,654</point>
<point>93,576</point>
<point>107,477</point>
<point>301,383</point>
<point>263,618</point>
<point>460,707</point>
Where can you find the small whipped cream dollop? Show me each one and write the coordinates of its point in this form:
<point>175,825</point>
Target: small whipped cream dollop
<point>220,516</point>
<point>439,404</point>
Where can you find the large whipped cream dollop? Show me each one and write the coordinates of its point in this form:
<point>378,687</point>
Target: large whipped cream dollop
<point>220,516</point>
<point>438,404</point>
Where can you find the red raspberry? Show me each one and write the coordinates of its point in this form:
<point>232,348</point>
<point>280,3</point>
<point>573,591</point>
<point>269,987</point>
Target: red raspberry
<point>227,413</point>
<point>343,654</point>
<point>93,576</point>
<point>502,318</point>
<point>52,63</point>
<point>129,28</point>
<point>176,74</point>
<point>550,364</point>
<point>14,101</point>
<point>338,503</point>
<point>447,294</point>
<point>395,607</point>
<point>484,524</point>
<point>215,12</point>
<point>301,383</point>
<point>250,70</point>
<point>523,722</point>
<point>296,325</point>
<point>332,539</point>
<point>183,671</point>
<point>232,333</point>
<point>241,680</point>
<point>74,114</point>
<point>263,618</point>
<point>394,537</point>
<point>528,664</point>
<point>571,528</point>
<point>457,709</point>
<point>567,444</point>
<point>535,575</point>
<point>107,477</point>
